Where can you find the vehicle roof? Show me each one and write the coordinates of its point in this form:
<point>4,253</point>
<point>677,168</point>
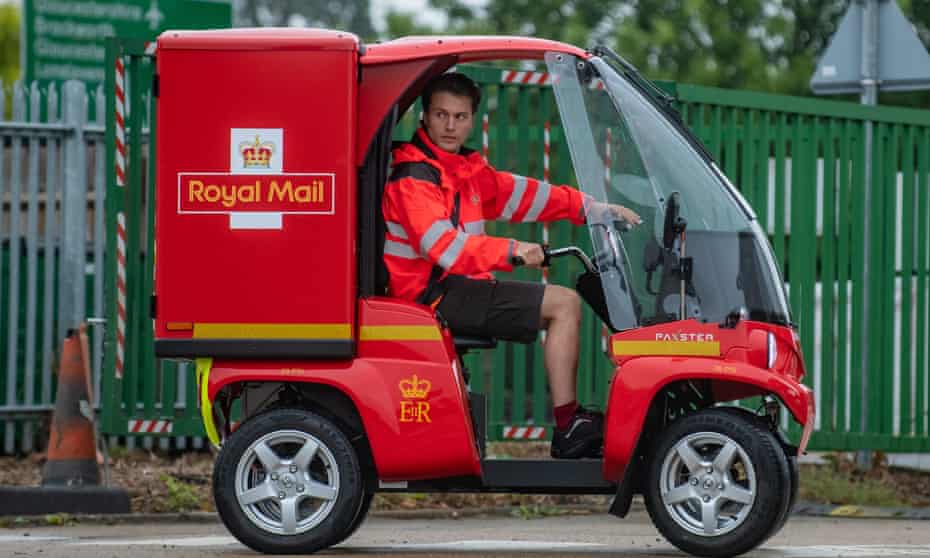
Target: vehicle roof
<point>260,38</point>
<point>467,48</point>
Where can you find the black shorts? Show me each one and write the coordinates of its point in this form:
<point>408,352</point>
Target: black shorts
<point>508,310</point>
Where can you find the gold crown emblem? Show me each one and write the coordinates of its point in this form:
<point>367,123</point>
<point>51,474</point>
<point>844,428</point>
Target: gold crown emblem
<point>414,388</point>
<point>257,154</point>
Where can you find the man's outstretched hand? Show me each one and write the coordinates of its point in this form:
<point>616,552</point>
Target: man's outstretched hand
<point>625,213</point>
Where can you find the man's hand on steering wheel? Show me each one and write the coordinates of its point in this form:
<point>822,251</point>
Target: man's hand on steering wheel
<point>529,254</point>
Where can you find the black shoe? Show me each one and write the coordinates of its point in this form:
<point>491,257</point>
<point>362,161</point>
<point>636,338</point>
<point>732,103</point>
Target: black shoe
<point>583,437</point>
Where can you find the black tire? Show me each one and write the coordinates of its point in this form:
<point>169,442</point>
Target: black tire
<point>746,495</point>
<point>322,486</point>
<point>790,474</point>
<point>359,518</point>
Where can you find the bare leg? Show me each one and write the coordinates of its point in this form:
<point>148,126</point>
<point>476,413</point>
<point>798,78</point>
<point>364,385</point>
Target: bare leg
<point>561,318</point>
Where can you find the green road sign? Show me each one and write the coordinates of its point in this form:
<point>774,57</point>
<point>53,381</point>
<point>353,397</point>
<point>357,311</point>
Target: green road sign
<point>64,39</point>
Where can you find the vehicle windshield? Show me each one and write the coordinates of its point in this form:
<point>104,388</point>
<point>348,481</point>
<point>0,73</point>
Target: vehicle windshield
<point>626,151</point>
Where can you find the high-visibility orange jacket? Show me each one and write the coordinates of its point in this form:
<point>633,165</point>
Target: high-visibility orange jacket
<point>418,205</point>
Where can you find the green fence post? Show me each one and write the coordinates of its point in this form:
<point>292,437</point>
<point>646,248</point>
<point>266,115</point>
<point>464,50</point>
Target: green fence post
<point>781,141</point>
<point>111,396</point>
<point>857,367</point>
<point>923,209</point>
<point>843,276</point>
<point>827,280</point>
<point>907,417</point>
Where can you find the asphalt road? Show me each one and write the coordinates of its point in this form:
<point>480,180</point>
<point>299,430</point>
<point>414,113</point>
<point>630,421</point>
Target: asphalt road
<point>595,535</point>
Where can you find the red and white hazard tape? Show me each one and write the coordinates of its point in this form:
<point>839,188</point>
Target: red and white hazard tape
<point>120,123</point>
<point>540,78</point>
<point>151,426</point>
<point>524,432</point>
<point>120,293</point>
<point>526,78</point>
<point>120,219</point>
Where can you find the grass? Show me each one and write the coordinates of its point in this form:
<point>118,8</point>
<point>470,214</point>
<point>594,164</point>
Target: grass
<point>830,484</point>
<point>181,496</point>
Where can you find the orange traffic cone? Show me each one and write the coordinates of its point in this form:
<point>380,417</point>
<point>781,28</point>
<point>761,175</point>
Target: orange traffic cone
<point>72,452</point>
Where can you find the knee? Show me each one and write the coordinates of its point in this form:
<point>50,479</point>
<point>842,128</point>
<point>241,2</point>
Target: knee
<point>565,304</point>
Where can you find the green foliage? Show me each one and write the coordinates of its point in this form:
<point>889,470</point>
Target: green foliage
<point>536,511</point>
<point>9,42</point>
<point>832,485</point>
<point>181,496</point>
<point>762,45</point>
<point>59,519</point>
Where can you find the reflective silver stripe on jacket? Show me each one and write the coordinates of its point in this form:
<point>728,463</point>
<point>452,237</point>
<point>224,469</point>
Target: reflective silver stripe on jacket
<point>519,188</point>
<point>433,234</point>
<point>475,227</point>
<point>396,229</point>
<point>539,202</point>
<point>400,250</point>
<point>453,251</point>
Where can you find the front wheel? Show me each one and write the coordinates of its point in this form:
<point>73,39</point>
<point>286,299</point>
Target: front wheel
<point>717,484</point>
<point>287,481</point>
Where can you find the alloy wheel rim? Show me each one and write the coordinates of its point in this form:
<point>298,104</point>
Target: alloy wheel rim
<point>708,484</point>
<point>287,482</point>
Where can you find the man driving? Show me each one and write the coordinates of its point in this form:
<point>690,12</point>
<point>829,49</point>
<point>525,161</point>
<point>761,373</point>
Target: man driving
<point>435,204</point>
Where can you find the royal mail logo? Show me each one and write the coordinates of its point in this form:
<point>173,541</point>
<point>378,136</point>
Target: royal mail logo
<point>414,407</point>
<point>256,150</point>
<point>287,193</point>
<point>257,154</point>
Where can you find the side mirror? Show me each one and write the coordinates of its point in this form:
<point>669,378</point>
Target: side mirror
<point>674,223</point>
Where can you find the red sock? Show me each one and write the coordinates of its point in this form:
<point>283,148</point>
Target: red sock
<point>563,414</point>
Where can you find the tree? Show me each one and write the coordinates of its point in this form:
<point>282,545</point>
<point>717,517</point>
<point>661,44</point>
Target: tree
<point>767,45</point>
<point>9,43</point>
<point>346,15</point>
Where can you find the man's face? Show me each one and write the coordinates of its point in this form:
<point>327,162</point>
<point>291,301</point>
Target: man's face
<point>449,120</point>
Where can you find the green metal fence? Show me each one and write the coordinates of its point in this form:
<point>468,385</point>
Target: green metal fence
<point>799,162</point>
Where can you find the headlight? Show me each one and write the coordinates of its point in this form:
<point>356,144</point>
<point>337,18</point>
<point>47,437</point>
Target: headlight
<point>773,350</point>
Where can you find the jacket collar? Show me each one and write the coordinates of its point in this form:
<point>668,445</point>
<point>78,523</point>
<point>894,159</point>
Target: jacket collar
<point>462,165</point>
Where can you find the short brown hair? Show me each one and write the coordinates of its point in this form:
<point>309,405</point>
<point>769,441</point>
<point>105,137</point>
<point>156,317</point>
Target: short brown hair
<point>455,83</point>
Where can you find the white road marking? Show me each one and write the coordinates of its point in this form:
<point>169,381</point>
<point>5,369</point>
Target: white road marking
<point>29,538</point>
<point>180,541</point>
<point>876,551</point>
<point>489,545</point>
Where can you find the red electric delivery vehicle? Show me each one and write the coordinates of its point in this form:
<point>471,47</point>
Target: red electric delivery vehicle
<point>273,150</point>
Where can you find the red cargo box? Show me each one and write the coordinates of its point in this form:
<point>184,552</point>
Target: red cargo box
<point>256,208</point>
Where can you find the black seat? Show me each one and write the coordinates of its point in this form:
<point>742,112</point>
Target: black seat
<point>465,344</point>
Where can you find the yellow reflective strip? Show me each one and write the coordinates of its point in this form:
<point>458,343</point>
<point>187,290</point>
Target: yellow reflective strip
<point>667,348</point>
<point>206,406</point>
<point>272,331</point>
<point>400,333</point>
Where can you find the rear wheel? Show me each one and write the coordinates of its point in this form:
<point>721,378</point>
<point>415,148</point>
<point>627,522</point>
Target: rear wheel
<point>288,481</point>
<point>717,484</point>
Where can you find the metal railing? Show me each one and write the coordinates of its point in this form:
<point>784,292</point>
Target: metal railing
<point>52,229</point>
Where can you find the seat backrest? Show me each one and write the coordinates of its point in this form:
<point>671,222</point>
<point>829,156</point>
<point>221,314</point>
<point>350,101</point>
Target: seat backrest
<point>373,274</point>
